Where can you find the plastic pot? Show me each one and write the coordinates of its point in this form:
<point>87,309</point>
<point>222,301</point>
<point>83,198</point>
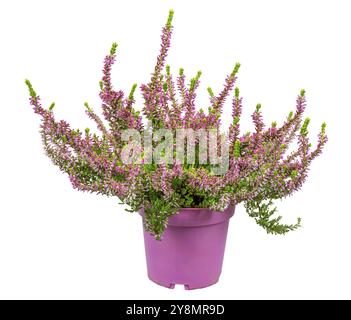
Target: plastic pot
<point>191,250</point>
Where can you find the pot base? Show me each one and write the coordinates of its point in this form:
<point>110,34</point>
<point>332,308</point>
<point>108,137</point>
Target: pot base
<point>186,286</point>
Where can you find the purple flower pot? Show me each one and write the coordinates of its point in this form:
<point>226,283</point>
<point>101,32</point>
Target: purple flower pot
<point>191,250</point>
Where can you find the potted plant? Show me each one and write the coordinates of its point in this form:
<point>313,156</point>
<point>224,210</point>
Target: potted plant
<point>179,171</point>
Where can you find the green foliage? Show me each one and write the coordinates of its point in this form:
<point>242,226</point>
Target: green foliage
<point>237,149</point>
<point>236,120</point>
<point>263,212</point>
<point>294,174</point>
<point>156,214</point>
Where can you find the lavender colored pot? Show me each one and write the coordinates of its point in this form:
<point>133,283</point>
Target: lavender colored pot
<point>191,250</point>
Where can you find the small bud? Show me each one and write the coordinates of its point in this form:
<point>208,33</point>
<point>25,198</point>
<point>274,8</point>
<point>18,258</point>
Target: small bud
<point>87,130</point>
<point>291,113</point>
<point>52,106</point>
<point>302,92</point>
<point>236,69</point>
<point>323,128</point>
<point>210,92</point>
<point>165,87</point>
<point>101,85</point>
<point>87,106</point>
<point>169,20</point>
<point>237,92</point>
<point>198,75</point>
<point>258,107</point>
<point>304,127</point>
<point>192,84</point>
<point>32,93</point>
<point>113,49</point>
<point>131,94</point>
<point>181,71</point>
<point>274,124</point>
<point>168,70</point>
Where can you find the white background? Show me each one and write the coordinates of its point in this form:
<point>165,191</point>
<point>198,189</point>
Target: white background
<point>56,243</point>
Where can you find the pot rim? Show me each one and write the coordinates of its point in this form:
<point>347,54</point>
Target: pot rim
<point>192,217</point>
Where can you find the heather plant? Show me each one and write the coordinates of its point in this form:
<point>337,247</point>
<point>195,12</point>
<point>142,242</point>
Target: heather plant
<point>260,169</point>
